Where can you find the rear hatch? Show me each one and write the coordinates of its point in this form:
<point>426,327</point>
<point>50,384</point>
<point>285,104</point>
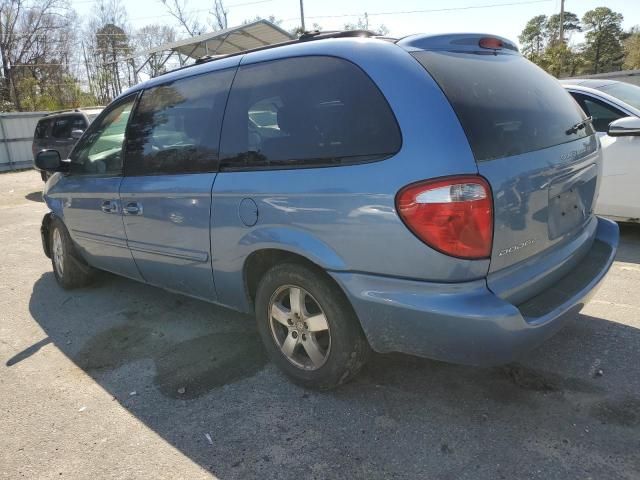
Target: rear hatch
<point>526,135</point>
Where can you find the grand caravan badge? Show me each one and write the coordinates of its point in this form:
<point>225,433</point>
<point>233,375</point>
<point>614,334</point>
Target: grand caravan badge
<point>517,247</point>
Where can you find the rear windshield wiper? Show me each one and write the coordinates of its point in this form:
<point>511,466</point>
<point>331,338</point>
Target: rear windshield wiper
<point>579,126</point>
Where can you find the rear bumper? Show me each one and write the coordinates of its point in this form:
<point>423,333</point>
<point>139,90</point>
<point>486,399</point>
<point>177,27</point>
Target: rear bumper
<point>466,322</point>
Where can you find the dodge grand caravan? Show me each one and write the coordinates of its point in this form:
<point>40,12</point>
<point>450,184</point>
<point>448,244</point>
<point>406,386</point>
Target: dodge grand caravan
<point>431,195</point>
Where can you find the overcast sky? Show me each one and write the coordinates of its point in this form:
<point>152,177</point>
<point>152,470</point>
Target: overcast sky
<point>402,17</point>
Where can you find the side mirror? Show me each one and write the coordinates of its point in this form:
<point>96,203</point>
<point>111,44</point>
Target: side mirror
<point>76,134</point>
<point>625,127</point>
<point>50,161</point>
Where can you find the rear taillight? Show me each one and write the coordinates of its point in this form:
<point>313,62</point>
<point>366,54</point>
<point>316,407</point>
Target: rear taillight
<point>453,215</point>
<point>491,43</point>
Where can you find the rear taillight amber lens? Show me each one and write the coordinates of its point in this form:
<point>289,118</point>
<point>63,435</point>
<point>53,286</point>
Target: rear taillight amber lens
<point>453,215</point>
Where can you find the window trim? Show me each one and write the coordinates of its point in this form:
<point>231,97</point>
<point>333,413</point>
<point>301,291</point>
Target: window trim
<point>92,126</point>
<point>300,165</point>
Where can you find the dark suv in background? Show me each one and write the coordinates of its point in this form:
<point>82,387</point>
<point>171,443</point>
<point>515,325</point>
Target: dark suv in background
<point>60,130</point>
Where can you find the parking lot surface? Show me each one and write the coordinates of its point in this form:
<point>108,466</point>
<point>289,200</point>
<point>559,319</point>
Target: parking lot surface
<point>123,380</point>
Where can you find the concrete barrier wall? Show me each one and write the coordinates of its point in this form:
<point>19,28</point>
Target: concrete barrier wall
<point>627,76</point>
<point>16,135</point>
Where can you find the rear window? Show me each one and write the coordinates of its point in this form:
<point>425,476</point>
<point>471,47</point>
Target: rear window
<point>506,105</point>
<point>63,126</point>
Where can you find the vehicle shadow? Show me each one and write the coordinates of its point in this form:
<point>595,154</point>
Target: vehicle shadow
<point>200,369</point>
<point>629,249</point>
<point>35,196</point>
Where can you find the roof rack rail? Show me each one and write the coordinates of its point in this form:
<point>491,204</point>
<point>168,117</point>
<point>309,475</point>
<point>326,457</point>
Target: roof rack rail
<point>71,110</point>
<point>319,34</point>
<point>66,110</point>
<point>304,37</point>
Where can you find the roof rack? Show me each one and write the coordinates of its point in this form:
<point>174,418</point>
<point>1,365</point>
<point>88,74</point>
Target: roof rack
<point>304,37</point>
<point>72,110</point>
<point>66,110</point>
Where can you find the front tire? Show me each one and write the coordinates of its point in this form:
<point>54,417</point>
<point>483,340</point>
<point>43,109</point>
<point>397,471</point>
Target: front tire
<point>308,327</point>
<point>69,270</point>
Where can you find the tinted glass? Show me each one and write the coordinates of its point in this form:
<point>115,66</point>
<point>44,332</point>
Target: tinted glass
<point>627,93</point>
<point>63,126</point>
<point>602,113</point>
<point>99,151</point>
<point>41,129</point>
<point>78,123</point>
<point>506,105</point>
<point>176,127</point>
<point>306,111</point>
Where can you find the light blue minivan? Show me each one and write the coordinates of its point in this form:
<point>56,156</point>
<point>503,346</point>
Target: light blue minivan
<point>431,195</point>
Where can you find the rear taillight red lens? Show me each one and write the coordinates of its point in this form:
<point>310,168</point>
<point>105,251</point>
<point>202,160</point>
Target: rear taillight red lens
<point>491,43</point>
<point>453,215</point>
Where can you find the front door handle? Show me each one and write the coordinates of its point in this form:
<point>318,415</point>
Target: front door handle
<point>132,208</point>
<point>109,206</point>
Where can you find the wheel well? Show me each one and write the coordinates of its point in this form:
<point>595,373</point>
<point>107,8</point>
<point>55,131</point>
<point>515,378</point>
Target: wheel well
<point>261,261</point>
<point>44,232</point>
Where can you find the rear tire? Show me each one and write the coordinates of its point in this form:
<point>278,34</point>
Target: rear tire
<point>70,271</point>
<point>308,327</point>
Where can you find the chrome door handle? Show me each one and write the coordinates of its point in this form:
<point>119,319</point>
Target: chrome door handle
<point>109,206</point>
<point>132,208</point>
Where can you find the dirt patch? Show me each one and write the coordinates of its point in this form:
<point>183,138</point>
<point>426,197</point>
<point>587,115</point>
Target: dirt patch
<point>624,412</point>
<point>185,369</point>
<point>528,379</point>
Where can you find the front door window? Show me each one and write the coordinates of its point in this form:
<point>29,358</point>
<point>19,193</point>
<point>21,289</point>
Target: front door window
<point>100,150</point>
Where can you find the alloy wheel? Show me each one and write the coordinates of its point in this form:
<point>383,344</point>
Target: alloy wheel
<point>299,327</point>
<point>58,252</point>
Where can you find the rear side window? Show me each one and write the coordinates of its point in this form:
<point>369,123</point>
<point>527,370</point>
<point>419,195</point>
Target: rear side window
<point>305,112</point>
<point>176,126</point>
<point>506,105</point>
<point>41,129</point>
<point>602,113</point>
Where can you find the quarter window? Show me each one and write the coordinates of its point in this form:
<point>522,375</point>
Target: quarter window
<point>99,151</point>
<point>176,126</point>
<point>305,112</point>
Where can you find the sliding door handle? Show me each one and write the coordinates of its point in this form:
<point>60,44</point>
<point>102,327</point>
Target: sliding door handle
<point>132,208</point>
<point>109,206</point>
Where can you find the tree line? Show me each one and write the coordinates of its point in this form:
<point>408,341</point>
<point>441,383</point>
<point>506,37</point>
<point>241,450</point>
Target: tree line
<point>607,47</point>
<point>54,59</point>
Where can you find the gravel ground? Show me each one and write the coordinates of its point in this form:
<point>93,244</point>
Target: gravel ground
<point>123,380</point>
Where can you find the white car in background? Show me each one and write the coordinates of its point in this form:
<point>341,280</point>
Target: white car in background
<point>615,110</point>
